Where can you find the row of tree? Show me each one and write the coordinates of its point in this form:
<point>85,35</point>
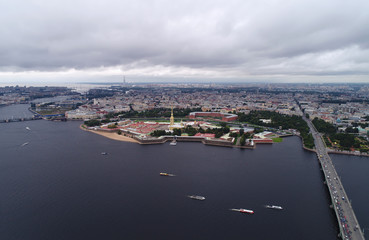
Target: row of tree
<point>324,127</point>
<point>154,113</point>
<point>346,140</point>
<point>281,121</point>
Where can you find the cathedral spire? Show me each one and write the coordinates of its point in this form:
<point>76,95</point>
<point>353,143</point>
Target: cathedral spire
<point>171,118</point>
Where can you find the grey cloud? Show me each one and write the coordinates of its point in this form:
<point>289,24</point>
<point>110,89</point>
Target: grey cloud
<point>247,37</point>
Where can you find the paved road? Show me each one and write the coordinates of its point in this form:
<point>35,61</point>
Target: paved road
<point>348,224</point>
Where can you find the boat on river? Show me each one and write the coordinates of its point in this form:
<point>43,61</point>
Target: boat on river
<point>166,174</point>
<point>196,197</point>
<point>274,207</point>
<point>242,210</point>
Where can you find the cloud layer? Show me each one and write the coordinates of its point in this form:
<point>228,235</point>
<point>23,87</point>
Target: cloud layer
<point>237,39</point>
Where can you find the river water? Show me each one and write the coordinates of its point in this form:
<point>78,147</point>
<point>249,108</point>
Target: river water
<point>60,186</point>
<point>15,111</point>
<point>354,174</point>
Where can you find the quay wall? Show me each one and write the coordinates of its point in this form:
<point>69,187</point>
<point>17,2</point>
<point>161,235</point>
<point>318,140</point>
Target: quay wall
<point>348,153</point>
<point>303,145</point>
<point>217,143</point>
<point>163,139</point>
<point>221,143</point>
<point>286,135</point>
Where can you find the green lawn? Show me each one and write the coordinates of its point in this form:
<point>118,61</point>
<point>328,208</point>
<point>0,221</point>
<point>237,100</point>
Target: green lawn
<point>277,140</point>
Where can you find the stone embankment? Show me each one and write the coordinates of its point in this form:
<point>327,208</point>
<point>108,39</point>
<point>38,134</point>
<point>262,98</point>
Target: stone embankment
<point>331,151</point>
<point>126,135</point>
<point>163,139</point>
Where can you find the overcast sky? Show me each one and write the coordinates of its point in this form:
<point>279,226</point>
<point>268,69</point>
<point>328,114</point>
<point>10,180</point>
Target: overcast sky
<point>240,40</point>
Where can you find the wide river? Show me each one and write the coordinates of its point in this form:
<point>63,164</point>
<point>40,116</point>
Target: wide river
<point>60,186</point>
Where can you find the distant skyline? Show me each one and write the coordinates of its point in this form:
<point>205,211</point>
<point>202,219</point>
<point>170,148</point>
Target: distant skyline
<point>195,41</point>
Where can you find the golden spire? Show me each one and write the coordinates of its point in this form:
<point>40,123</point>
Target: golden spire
<point>171,118</point>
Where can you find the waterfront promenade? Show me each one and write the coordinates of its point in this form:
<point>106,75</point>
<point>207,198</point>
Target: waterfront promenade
<point>347,222</point>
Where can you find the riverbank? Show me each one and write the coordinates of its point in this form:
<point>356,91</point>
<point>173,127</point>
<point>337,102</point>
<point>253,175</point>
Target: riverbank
<point>129,137</point>
<point>111,135</point>
<point>359,154</point>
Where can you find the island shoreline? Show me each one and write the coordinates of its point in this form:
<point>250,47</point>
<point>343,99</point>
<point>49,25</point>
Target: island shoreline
<point>111,135</point>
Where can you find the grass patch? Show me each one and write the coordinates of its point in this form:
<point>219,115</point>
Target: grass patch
<point>277,140</point>
<point>235,140</point>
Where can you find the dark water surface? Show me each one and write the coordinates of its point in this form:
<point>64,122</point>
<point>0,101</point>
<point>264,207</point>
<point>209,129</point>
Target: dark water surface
<point>354,173</point>
<point>59,186</point>
<point>15,111</point>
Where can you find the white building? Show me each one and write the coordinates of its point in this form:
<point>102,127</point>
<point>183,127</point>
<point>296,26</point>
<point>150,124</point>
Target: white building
<point>80,114</point>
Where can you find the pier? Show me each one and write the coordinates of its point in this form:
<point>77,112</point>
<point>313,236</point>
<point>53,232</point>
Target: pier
<point>348,224</point>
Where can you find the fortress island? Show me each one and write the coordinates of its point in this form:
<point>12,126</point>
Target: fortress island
<point>210,128</point>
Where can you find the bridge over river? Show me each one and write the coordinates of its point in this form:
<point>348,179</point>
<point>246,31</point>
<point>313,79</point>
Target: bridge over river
<point>347,222</point>
<point>20,119</point>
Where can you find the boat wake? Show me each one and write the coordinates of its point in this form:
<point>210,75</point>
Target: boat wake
<point>273,207</point>
<point>167,174</point>
<point>196,197</point>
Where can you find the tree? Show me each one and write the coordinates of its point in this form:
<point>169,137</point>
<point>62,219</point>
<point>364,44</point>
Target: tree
<point>324,127</point>
<point>247,135</point>
<point>177,132</point>
<point>233,134</point>
<point>106,120</point>
<point>243,140</point>
<point>258,130</point>
<point>92,123</point>
<point>226,129</point>
<point>278,121</point>
<point>218,134</point>
<point>158,133</point>
<point>223,124</point>
<point>190,130</point>
<point>351,130</point>
<point>201,130</point>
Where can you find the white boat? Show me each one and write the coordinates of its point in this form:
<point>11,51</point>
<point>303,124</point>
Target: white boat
<point>173,143</point>
<point>274,207</point>
<point>24,144</point>
<point>166,174</point>
<point>28,128</point>
<point>242,210</point>
<point>196,197</point>
<point>104,153</point>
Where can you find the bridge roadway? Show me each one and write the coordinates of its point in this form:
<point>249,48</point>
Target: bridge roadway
<point>19,119</point>
<point>347,222</point>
